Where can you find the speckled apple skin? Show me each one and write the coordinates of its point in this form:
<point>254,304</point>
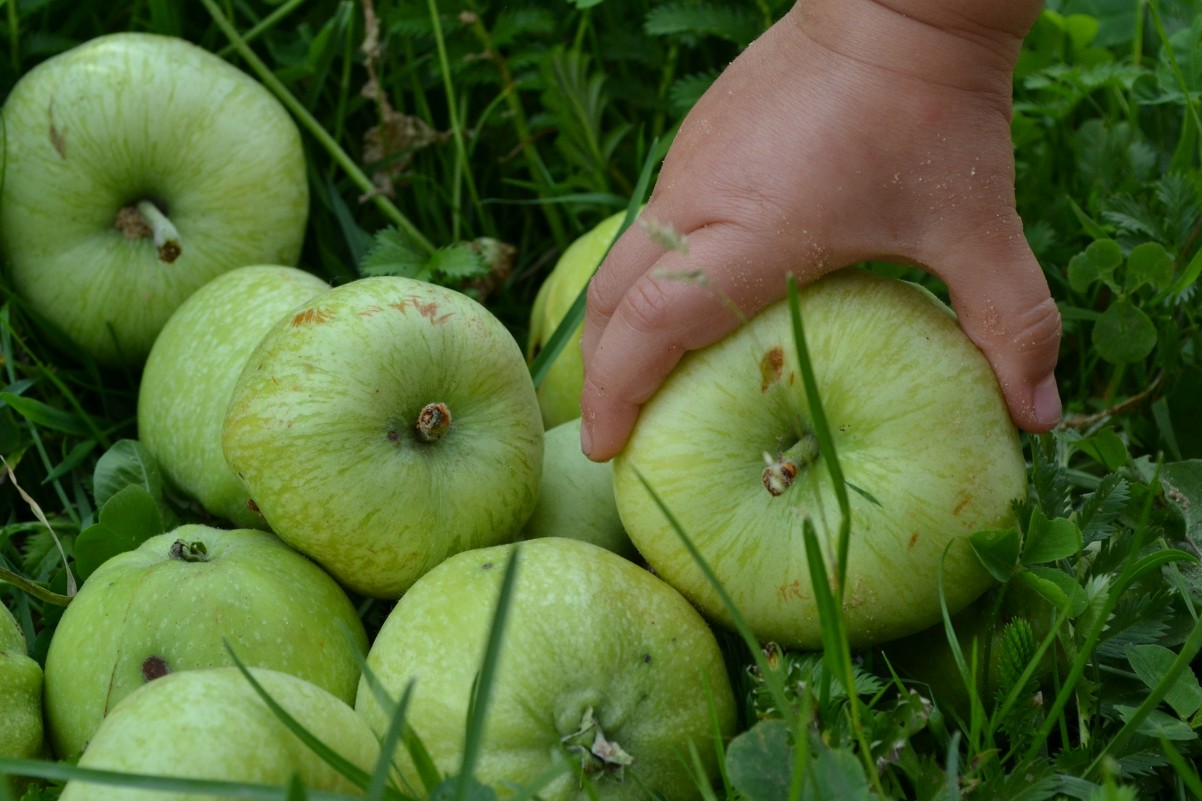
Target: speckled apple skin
<point>22,733</point>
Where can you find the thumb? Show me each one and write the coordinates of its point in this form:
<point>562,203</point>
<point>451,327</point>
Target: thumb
<point>1004,305</point>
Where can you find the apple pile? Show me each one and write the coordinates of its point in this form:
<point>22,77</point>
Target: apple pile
<point>383,439</point>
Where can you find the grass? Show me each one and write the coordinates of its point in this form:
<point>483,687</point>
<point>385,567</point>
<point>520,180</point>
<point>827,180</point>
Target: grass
<point>471,143</point>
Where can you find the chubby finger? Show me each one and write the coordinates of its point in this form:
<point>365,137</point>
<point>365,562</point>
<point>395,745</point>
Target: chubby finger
<point>685,301</point>
<point>1005,306</point>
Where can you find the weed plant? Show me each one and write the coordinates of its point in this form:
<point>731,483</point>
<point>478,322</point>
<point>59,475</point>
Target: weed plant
<point>469,142</point>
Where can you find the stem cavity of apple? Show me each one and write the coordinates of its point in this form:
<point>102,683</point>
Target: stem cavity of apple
<point>600,757</point>
<point>433,422</point>
<point>780,471</point>
<point>145,218</point>
<point>189,551</point>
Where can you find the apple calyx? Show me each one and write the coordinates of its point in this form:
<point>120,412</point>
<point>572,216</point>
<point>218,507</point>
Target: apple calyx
<point>145,218</point>
<point>599,756</point>
<point>189,551</point>
<point>780,471</point>
<point>433,422</point>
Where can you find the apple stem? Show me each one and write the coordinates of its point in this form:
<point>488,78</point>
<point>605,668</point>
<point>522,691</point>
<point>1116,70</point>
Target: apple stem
<point>433,422</point>
<point>166,236</point>
<point>189,551</point>
<point>780,472</point>
<point>599,756</point>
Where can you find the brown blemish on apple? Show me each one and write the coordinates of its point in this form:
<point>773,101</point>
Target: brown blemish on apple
<point>427,309</point>
<point>58,139</point>
<point>913,540</point>
<point>770,368</point>
<point>315,316</point>
<point>370,311</point>
<point>790,590</point>
<point>154,667</point>
<point>965,500</point>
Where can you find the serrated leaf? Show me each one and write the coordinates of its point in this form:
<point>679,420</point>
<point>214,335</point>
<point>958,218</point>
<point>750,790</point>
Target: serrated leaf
<point>1149,263</point>
<point>1102,507</point>
<point>758,762</point>
<point>126,463</point>
<point>392,252</point>
<point>998,551</point>
<point>1151,662</point>
<point>457,262</point>
<point>1050,539</point>
<point>735,24</point>
<point>1124,333</point>
<point>1096,263</point>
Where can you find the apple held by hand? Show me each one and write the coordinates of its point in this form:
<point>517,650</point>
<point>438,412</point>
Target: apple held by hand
<point>921,433</point>
<point>190,374</point>
<point>385,425</point>
<point>21,730</point>
<point>171,605</point>
<point>559,391</point>
<point>212,724</point>
<point>139,167</point>
<point>601,663</point>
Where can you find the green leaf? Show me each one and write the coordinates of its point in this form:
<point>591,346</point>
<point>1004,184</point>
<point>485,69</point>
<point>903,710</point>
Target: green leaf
<point>1149,263</point>
<point>46,416</point>
<point>393,252</point>
<point>836,773</point>
<point>1182,483</point>
<point>1124,333</point>
<point>1056,587</point>
<point>126,463</point>
<point>1159,724</point>
<point>127,519</point>
<point>1106,448</point>
<point>1050,539</point>
<point>1151,663</point>
<point>457,262</point>
<point>759,761</point>
<point>1096,263</point>
<point>997,550</point>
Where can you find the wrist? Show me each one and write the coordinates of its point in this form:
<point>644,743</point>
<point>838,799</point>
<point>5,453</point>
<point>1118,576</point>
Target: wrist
<point>970,44</point>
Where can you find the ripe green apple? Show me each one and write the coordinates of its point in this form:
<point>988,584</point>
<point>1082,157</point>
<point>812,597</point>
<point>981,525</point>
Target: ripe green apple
<point>920,430</point>
<point>576,495</point>
<point>212,724</point>
<point>385,425</point>
<point>170,606</point>
<point>601,663</point>
<point>190,374</point>
<point>559,391</point>
<point>139,167</point>
<point>21,730</point>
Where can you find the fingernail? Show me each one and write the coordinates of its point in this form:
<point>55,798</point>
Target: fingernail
<point>1047,402</point>
<point>586,439</point>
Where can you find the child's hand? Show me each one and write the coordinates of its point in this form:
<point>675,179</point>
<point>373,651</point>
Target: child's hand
<point>847,132</point>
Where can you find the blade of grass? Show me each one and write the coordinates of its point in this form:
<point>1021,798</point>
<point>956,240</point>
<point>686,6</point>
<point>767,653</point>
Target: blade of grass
<point>316,130</point>
<point>486,680</point>
<point>575,315</point>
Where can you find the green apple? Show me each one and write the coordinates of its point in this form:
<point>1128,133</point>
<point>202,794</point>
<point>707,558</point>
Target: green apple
<point>171,605</point>
<point>920,431</point>
<point>559,391</point>
<point>387,424</point>
<point>576,495</point>
<point>190,374</point>
<point>139,167</point>
<point>212,724</point>
<point>602,664</point>
<point>21,730</point>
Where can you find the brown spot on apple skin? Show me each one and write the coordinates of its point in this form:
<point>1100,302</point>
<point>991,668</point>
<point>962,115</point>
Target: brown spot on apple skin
<point>58,139</point>
<point>913,540</point>
<point>315,316</point>
<point>965,500</point>
<point>154,667</point>
<point>771,367</point>
<point>427,309</point>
